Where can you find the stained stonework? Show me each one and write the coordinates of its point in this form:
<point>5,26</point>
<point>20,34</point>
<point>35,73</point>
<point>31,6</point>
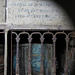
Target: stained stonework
<point>2,11</point>
<point>34,14</point>
<point>37,14</point>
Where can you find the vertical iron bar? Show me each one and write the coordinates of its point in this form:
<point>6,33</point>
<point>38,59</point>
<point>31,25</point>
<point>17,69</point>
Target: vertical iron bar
<point>11,52</point>
<point>42,66</point>
<point>5,53</point>
<point>66,61</point>
<point>17,55</point>
<point>29,56</point>
<point>54,59</point>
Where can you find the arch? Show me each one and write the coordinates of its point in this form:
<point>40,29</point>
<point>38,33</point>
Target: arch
<point>60,33</point>
<point>35,33</point>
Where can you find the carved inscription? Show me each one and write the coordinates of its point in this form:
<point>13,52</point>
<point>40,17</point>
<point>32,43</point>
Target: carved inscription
<point>31,11</point>
<point>35,12</point>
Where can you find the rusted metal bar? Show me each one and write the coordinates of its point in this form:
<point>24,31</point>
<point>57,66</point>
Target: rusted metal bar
<point>29,56</point>
<point>42,66</point>
<point>17,55</point>
<point>54,59</point>
<point>66,61</point>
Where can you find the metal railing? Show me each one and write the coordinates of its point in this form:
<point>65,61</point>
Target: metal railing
<point>42,38</point>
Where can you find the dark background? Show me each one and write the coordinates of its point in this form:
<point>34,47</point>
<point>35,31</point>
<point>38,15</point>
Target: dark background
<point>69,7</point>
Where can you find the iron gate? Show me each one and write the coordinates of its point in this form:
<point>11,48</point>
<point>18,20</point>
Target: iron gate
<point>43,71</point>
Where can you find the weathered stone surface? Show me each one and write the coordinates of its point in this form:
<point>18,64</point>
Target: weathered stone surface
<point>2,11</point>
<point>35,14</point>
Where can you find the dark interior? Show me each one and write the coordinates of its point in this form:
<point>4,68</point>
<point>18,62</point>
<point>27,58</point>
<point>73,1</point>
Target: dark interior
<point>1,53</point>
<point>60,53</point>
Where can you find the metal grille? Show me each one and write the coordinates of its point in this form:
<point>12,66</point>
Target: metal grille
<point>23,54</point>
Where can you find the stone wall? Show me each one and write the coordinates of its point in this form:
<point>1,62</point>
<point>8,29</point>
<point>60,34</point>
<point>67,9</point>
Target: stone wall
<point>2,11</point>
